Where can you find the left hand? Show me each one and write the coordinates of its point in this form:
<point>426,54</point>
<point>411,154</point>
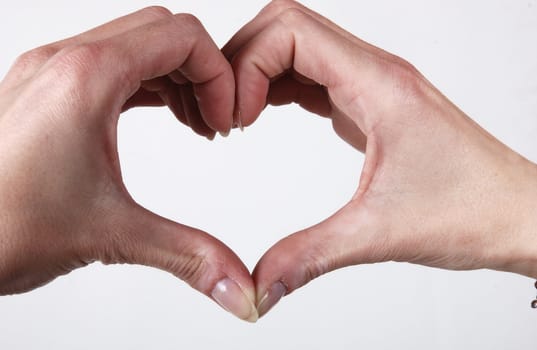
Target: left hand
<point>436,189</point>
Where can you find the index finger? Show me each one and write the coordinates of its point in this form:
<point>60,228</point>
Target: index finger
<point>112,69</point>
<point>276,8</point>
<point>296,40</point>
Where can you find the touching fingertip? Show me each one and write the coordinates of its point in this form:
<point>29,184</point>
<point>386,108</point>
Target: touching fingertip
<point>272,296</point>
<point>224,133</point>
<point>230,296</point>
<point>238,120</point>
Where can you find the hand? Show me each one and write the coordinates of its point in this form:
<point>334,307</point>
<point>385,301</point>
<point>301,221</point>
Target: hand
<point>63,202</point>
<point>435,189</point>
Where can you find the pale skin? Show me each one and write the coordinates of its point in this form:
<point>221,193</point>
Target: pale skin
<point>436,189</point>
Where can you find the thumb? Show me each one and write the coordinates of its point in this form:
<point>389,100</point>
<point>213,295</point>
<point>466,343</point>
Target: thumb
<point>346,238</point>
<point>205,263</point>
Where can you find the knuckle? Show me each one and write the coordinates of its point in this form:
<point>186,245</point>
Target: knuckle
<point>157,12</point>
<point>77,63</point>
<point>189,267</point>
<point>188,20</point>
<point>279,6</point>
<point>405,78</point>
<point>35,57</point>
<point>316,260</point>
<point>187,24</point>
<point>406,66</point>
<point>293,16</point>
<point>72,72</point>
<point>315,267</point>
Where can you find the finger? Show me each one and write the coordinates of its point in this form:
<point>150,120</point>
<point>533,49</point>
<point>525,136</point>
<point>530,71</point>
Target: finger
<point>172,96</point>
<point>138,236</point>
<point>342,240</point>
<point>275,9</point>
<point>160,92</point>
<point>28,64</point>
<point>315,99</point>
<point>143,98</point>
<point>310,48</point>
<point>168,92</point>
<point>178,78</point>
<point>302,79</point>
<point>192,112</point>
<point>181,101</point>
<point>148,95</point>
<point>312,98</point>
<point>111,70</point>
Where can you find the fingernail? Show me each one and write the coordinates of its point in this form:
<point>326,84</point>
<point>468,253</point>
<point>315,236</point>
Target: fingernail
<point>210,137</point>
<point>271,298</point>
<point>224,133</point>
<point>230,296</point>
<point>238,122</point>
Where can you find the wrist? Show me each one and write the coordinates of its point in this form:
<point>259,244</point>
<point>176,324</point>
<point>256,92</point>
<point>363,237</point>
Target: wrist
<point>519,248</point>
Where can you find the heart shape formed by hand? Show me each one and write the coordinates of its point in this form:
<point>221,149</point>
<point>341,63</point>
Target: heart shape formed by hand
<point>377,102</point>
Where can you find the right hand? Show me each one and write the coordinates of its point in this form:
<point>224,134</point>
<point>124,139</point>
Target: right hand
<point>63,203</point>
<point>436,189</point>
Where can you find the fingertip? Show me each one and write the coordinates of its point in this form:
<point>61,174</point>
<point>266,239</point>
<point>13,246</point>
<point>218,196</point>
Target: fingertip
<point>237,120</point>
<point>268,299</point>
<point>216,101</point>
<point>235,299</point>
<point>228,50</point>
<point>283,263</point>
<point>229,283</point>
<point>192,113</point>
<point>251,94</point>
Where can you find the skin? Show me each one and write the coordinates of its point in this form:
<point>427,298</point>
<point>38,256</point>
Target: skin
<point>436,189</point>
<point>63,203</point>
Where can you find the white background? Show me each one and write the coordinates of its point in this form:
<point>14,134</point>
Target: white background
<point>285,173</point>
